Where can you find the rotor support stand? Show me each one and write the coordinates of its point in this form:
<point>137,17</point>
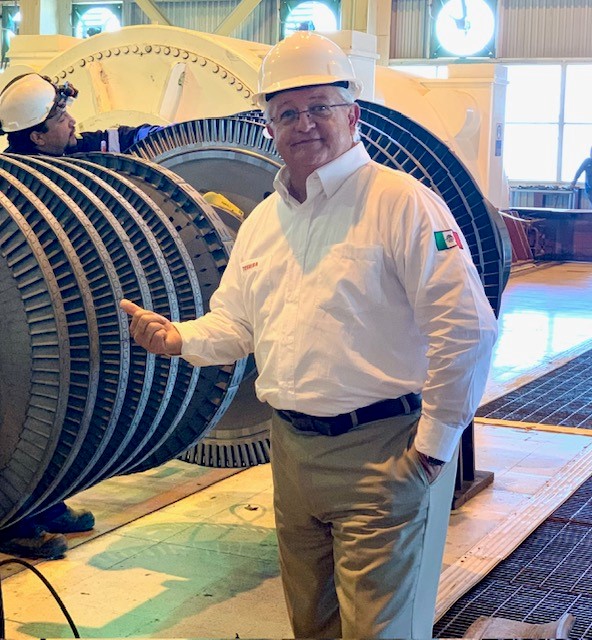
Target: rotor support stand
<point>469,481</point>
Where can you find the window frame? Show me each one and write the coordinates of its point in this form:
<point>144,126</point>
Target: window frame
<point>560,123</point>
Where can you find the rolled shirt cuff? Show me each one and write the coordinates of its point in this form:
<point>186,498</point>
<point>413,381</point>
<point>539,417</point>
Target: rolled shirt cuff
<point>437,439</point>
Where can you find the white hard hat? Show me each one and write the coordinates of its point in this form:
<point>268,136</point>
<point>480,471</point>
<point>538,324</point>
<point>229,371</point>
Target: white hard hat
<point>26,102</point>
<point>303,59</point>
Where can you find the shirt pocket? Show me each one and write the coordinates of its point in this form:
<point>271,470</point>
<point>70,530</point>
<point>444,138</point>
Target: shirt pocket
<point>261,278</point>
<point>350,279</point>
<point>256,281</point>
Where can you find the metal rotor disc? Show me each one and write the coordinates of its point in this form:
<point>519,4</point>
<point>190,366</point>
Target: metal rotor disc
<point>208,242</point>
<point>156,243</point>
<point>49,245</point>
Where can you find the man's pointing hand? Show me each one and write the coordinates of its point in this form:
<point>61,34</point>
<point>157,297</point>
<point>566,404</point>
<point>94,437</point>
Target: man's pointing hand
<point>152,331</point>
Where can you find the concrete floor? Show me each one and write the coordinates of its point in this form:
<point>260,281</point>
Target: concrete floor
<point>172,559</point>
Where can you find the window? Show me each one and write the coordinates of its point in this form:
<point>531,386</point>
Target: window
<point>310,14</point>
<point>532,122</point>
<point>577,134</point>
<point>90,19</point>
<point>11,18</point>
<point>462,28</point>
<point>530,153</point>
<point>548,121</point>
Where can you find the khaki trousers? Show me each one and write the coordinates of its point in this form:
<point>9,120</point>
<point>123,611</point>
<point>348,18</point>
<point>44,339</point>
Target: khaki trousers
<point>361,533</point>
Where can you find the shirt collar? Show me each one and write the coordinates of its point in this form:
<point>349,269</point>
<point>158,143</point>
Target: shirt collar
<point>329,177</point>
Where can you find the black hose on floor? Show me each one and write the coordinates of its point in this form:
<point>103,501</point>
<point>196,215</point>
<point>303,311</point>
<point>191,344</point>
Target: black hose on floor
<point>46,582</point>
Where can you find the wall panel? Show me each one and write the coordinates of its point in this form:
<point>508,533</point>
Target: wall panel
<point>545,29</point>
<point>408,29</point>
<point>206,15</point>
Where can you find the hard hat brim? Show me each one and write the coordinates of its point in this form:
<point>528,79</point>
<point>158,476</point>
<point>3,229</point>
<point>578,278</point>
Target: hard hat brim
<point>261,99</point>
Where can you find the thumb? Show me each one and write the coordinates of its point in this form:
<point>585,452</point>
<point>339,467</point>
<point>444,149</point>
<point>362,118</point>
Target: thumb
<point>129,307</point>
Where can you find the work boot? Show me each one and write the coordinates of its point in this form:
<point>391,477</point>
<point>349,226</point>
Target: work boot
<point>48,546</point>
<point>70,521</point>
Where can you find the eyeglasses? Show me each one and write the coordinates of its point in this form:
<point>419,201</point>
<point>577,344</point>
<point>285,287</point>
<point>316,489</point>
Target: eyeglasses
<point>316,112</point>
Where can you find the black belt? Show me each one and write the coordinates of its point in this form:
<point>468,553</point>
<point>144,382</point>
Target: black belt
<point>336,425</point>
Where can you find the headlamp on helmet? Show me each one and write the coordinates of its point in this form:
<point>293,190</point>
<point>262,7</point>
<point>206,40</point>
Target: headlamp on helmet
<point>65,93</point>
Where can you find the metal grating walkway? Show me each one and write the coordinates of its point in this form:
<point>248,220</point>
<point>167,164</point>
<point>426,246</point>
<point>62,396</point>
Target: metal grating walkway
<point>562,397</point>
<point>548,575</point>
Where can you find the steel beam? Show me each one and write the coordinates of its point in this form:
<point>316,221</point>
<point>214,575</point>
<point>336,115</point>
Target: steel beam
<point>153,12</point>
<point>236,17</point>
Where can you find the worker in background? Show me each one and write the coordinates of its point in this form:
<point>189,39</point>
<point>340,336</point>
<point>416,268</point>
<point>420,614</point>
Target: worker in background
<point>586,169</point>
<point>34,115</point>
<point>353,285</point>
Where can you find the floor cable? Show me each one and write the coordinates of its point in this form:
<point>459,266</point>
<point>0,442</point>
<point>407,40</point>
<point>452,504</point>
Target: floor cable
<point>46,582</point>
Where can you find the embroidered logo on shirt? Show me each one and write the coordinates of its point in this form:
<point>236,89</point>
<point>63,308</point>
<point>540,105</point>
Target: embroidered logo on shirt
<point>250,265</point>
<point>447,239</point>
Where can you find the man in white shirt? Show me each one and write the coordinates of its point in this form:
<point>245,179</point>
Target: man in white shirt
<point>353,286</point>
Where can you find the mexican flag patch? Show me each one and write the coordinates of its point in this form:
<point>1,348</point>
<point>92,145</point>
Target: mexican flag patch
<point>447,239</point>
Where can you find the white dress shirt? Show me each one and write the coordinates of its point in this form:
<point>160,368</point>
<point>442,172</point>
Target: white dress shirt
<point>346,300</point>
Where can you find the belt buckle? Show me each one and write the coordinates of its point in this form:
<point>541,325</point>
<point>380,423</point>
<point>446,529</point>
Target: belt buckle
<point>303,423</point>
<point>335,426</point>
<point>326,427</point>
<point>322,426</point>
